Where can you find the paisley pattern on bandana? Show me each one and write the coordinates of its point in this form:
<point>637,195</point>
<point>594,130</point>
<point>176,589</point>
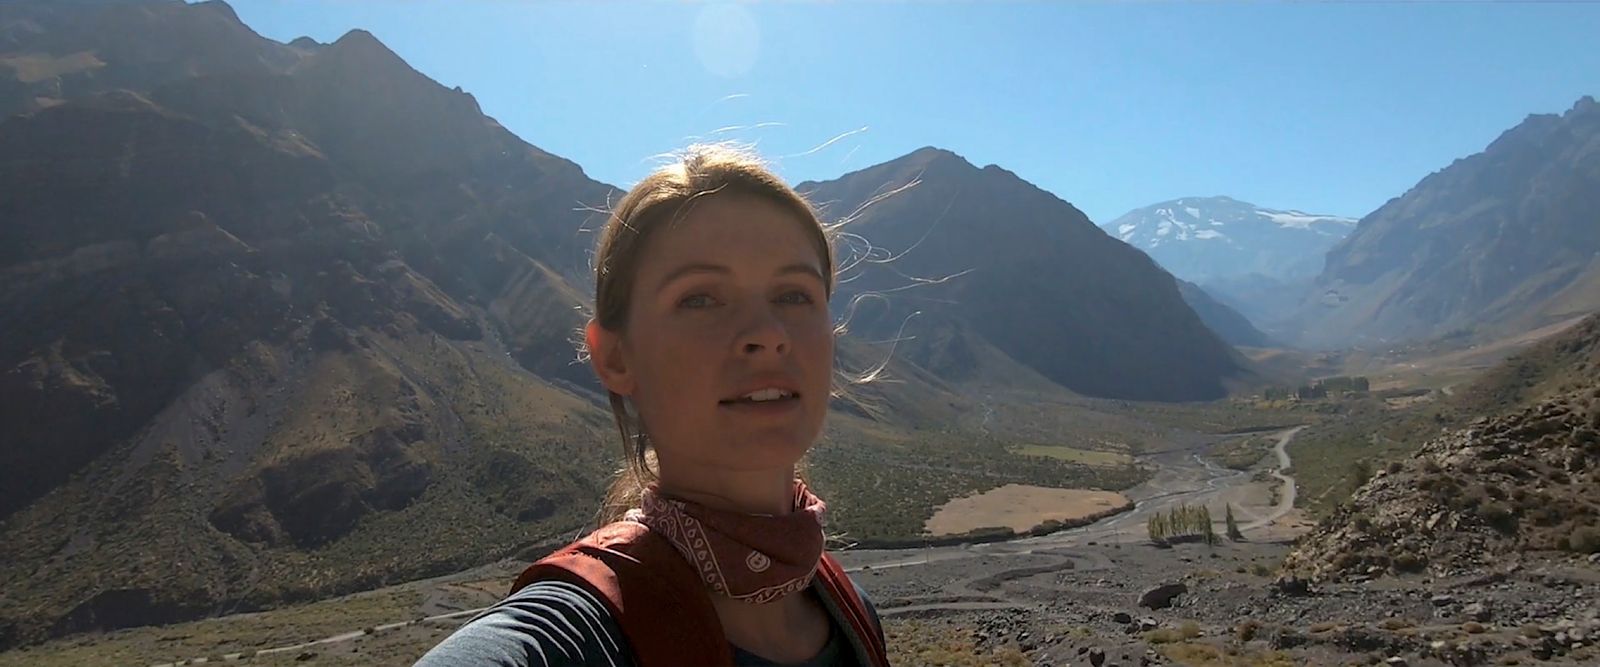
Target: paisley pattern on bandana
<point>755,558</point>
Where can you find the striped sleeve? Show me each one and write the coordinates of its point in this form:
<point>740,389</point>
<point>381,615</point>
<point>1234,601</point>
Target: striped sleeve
<point>546,624</point>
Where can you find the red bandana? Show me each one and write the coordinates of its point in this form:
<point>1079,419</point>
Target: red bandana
<point>756,558</point>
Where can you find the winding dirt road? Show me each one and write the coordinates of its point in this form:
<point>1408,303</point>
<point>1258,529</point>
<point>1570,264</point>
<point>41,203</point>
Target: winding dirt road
<point>1287,495</point>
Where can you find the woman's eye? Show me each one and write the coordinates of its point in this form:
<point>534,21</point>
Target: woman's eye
<point>695,301</point>
<point>795,297</point>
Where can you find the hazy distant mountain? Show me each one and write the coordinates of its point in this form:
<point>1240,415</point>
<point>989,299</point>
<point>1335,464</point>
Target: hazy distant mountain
<point>1504,240</point>
<point>1204,239</point>
<point>1040,284</point>
<point>1232,327</point>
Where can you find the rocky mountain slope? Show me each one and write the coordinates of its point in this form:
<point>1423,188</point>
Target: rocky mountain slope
<point>1519,480</point>
<point>262,319</point>
<point>1504,240</point>
<point>1473,499</point>
<point>1019,270</point>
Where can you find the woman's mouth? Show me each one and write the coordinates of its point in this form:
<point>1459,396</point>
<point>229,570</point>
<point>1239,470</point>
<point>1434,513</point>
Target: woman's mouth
<point>763,395</point>
<point>770,401</point>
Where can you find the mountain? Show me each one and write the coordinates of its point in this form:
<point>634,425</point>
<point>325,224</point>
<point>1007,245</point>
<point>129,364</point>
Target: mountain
<point>1256,260</point>
<point>1233,328</point>
<point>1204,239</point>
<point>1006,268</point>
<point>1502,241</point>
<point>55,50</point>
<point>280,322</point>
<point>275,323</point>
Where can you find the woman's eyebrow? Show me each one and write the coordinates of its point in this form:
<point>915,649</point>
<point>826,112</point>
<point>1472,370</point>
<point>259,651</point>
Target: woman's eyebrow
<point>686,269</point>
<point>702,267</point>
<point>806,269</point>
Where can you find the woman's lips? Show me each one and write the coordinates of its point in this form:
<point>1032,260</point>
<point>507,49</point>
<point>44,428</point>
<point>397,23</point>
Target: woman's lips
<point>771,408</point>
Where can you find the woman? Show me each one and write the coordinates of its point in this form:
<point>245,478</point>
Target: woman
<point>711,320</point>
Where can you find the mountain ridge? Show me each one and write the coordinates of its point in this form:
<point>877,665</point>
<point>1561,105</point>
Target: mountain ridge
<point>1497,241</point>
<point>954,209</point>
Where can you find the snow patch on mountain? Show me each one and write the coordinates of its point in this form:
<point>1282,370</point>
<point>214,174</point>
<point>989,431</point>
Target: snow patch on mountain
<point>1300,220</point>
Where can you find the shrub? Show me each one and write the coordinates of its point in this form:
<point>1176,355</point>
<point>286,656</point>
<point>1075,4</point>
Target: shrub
<point>1247,630</point>
<point>1585,540</point>
<point>1409,562</point>
<point>1189,630</point>
<point>1162,636</point>
<point>1499,515</point>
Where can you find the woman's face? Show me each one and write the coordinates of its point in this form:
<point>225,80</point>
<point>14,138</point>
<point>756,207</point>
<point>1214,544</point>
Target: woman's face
<point>727,303</point>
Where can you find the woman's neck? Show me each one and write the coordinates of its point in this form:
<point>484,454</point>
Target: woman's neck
<point>748,491</point>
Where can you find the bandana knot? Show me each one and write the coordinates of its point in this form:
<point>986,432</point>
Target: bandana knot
<point>754,558</point>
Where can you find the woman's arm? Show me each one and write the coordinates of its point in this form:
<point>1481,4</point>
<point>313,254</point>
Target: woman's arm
<point>546,624</point>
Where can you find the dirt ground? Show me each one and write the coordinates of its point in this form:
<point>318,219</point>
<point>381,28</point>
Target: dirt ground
<point>1019,507</point>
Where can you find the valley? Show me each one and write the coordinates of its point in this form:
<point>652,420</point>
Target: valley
<point>290,370</point>
<point>406,619</point>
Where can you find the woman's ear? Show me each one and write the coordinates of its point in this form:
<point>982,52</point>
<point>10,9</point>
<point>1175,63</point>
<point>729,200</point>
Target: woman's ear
<point>605,355</point>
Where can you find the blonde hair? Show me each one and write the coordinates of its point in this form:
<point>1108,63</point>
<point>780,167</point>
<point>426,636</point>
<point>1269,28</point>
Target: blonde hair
<point>663,198</point>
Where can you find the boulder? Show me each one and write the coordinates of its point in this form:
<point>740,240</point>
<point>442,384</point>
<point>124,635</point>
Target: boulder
<point>1161,596</point>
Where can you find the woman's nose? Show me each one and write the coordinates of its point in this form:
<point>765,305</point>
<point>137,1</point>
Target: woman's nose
<point>765,333</point>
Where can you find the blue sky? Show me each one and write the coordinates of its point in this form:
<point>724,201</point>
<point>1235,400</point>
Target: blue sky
<point>1329,108</point>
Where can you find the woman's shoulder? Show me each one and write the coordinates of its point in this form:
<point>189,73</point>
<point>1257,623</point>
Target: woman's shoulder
<point>544,624</point>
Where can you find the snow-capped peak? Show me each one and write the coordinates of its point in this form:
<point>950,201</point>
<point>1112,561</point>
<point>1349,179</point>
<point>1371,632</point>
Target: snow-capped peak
<point>1209,236</point>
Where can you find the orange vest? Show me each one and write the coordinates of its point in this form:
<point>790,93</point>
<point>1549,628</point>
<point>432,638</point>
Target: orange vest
<point>663,607</point>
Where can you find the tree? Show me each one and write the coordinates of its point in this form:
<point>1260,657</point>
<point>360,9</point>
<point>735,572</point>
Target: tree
<point>1233,526</point>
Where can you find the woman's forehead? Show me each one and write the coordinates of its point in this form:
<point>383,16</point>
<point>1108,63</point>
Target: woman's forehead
<point>733,230</point>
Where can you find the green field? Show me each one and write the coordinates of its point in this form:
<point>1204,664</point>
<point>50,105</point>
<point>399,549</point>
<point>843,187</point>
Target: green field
<point>1074,455</point>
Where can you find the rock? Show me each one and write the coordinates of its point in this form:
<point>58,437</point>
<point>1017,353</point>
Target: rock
<point>1147,624</point>
<point>1161,596</point>
<point>1122,617</point>
<point>1396,661</point>
<point>1443,600</point>
<point>1477,612</point>
<point>305,655</point>
<point>1097,656</point>
<point>1291,586</point>
<point>1595,558</point>
<point>1286,638</point>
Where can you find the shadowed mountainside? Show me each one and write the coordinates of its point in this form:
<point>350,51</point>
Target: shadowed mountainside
<point>1021,271</point>
<point>1498,242</point>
